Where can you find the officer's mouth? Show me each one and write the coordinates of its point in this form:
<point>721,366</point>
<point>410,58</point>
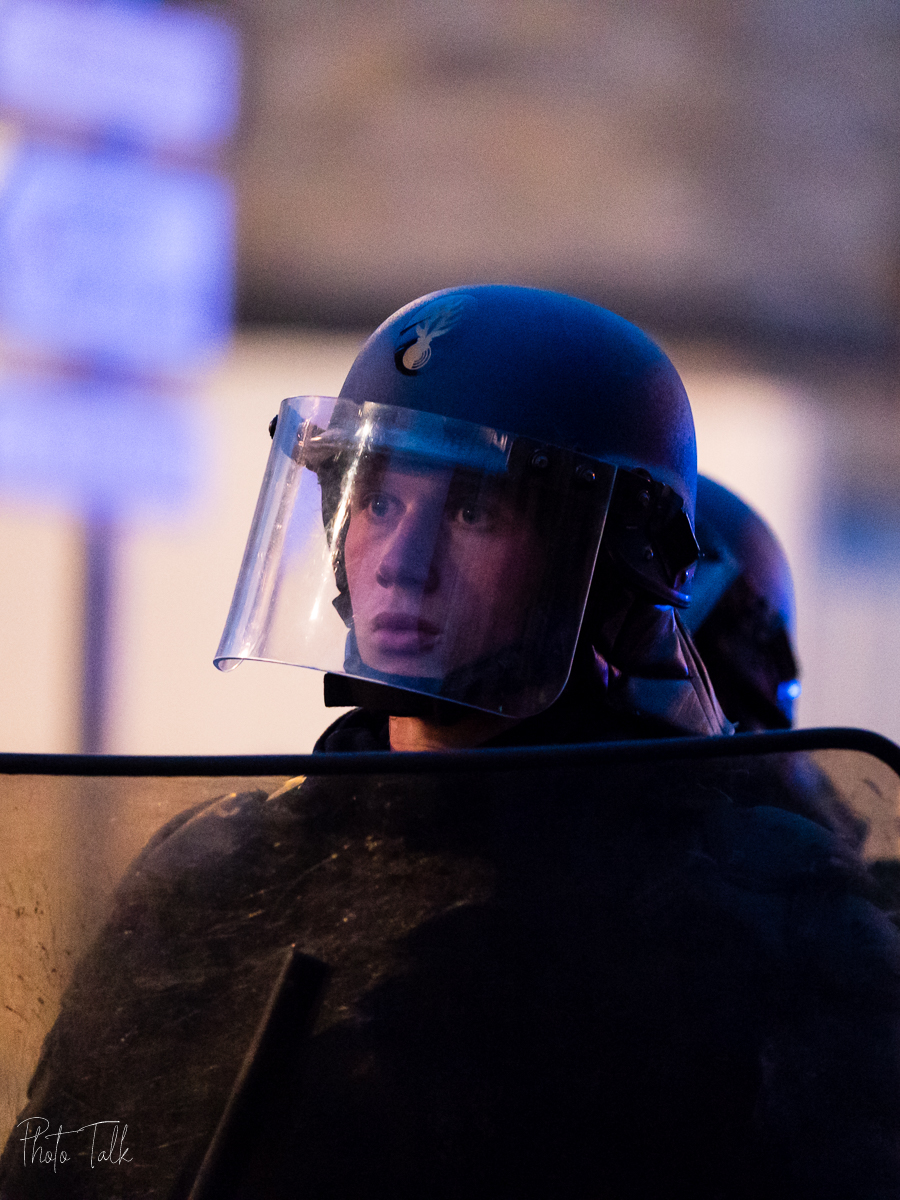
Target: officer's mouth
<point>396,633</point>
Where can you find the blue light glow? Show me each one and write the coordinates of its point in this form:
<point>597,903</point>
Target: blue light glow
<point>789,691</point>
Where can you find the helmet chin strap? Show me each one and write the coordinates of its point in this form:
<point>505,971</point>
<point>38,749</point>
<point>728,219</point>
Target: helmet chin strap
<point>646,664</point>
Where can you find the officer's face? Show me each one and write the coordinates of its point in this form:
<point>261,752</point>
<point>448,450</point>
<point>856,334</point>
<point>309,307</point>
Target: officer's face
<point>440,569</point>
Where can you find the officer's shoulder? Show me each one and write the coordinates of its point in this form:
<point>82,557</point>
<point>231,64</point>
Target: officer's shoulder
<point>215,830</point>
<point>764,846</point>
<point>804,892</point>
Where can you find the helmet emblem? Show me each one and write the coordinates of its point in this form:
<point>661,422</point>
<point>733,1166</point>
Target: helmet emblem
<point>414,341</point>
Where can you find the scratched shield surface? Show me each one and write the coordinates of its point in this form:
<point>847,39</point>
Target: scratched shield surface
<point>64,843</point>
<point>146,923</point>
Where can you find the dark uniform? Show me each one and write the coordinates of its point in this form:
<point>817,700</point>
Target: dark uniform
<point>561,981</point>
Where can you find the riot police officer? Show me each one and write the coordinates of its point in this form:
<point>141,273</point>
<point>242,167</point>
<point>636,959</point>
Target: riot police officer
<point>742,613</point>
<point>507,486</point>
<point>743,620</point>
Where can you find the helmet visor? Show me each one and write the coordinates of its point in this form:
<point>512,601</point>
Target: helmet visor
<point>414,550</point>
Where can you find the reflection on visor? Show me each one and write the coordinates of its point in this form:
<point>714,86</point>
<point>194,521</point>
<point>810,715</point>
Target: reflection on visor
<point>422,436</point>
<point>434,555</point>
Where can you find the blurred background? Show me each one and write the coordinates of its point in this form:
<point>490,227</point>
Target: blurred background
<point>723,175</point>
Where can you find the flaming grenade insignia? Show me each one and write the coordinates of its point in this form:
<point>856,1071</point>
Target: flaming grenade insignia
<point>434,321</point>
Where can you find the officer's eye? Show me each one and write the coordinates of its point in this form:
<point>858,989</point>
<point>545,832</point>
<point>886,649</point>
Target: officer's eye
<point>378,505</point>
<point>472,514</point>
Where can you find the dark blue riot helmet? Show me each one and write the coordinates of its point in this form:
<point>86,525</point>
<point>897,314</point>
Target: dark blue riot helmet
<point>516,444</point>
<point>546,366</point>
<point>742,613</point>
<point>560,372</point>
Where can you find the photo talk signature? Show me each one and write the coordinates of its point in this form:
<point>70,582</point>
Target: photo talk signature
<point>107,1143</point>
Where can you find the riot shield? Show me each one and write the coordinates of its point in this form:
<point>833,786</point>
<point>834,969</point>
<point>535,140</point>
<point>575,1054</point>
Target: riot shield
<point>505,972</point>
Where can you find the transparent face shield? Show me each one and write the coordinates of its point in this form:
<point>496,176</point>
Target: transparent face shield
<point>420,552</point>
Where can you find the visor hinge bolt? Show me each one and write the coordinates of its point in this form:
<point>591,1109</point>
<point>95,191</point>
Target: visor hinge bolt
<point>644,499</point>
<point>540,461</point>
<point>586,474</point>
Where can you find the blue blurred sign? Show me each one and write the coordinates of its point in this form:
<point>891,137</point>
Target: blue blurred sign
<point>114,260</point>
<point>97,447</point>
<point>154,78</point>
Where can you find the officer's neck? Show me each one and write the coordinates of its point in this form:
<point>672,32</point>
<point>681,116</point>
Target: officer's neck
<point>417,733</point>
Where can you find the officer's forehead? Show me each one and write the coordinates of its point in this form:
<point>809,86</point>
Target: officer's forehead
<point>424,471</point>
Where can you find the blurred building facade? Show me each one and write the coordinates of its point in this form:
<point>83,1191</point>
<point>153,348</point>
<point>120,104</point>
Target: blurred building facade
<point>719,168</point>
<point>723,175</point>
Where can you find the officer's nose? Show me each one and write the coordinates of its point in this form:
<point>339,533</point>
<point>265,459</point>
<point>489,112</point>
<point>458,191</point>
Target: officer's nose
<point>410,558</point>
